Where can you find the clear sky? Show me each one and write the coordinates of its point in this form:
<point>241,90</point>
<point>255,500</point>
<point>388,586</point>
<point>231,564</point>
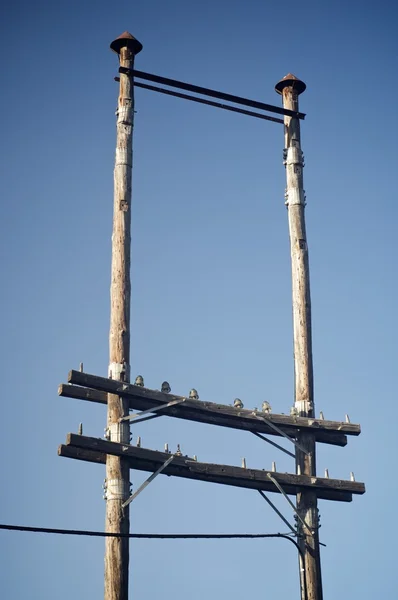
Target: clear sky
<point>211,292</point>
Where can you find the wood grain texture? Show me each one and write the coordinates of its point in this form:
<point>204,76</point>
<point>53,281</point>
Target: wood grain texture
<point>183,466</point>
<point>302,341</point>
<point>210,412</point>
<point>117,519</point>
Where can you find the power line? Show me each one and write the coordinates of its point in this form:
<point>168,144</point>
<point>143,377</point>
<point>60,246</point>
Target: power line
<point>154,536</point>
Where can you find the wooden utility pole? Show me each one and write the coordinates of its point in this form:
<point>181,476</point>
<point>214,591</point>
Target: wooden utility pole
<point>300,428</point>
<point>310,573</point>
<point>117,484</point>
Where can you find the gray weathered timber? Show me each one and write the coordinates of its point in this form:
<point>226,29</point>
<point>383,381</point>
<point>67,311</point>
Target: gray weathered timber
<point>82,393</point>
<point>141,398</point>
<point>117,518</point>
<point>290,88</point>
<point>217,474</point>
<point>150,460</point>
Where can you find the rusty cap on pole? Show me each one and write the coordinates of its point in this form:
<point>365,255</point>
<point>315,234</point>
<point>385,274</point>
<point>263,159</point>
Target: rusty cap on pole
<point>290,80</point>
<point>126,39</point>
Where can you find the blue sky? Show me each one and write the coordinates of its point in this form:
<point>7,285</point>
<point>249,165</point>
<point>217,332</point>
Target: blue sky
<point>211,294</point>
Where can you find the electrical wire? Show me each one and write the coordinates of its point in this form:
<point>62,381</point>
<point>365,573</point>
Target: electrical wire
<point>161,536</point>
<point>155,536</point>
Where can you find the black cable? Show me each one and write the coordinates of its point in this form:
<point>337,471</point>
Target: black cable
<point>160,536</point>
<point>170,536</point>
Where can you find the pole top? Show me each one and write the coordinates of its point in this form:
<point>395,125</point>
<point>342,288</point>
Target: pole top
<point>290,80</point>
<point>126,39</point>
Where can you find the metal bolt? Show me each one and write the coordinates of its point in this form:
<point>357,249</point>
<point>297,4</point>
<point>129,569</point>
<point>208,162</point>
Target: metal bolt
<point>238,403</point>
<point>193,394</point>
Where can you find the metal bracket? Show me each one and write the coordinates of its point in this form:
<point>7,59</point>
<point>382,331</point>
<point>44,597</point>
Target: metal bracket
<point>118,432</point>
<point>119,371</point>
<point>273,444</point>
<point>272,505</point>
<point>148,481</point>
<point>275,428</point>
<point>116,489</point>
<point>293,156</point>
<point>151,410</point>
<point>280,488</point>
<point>295,196</point>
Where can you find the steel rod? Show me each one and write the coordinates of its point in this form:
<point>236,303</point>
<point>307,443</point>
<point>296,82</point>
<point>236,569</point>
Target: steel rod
<point>196,89</point>
<point>241,111</point>
<point>274,444</point>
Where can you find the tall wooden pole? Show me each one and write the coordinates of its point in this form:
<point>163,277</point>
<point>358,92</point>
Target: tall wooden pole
<point>311,583</point>
<point>117,471</point>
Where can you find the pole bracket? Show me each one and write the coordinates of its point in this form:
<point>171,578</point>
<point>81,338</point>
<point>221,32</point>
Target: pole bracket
<point>118,432</point>
<point>119,371</point>
<point>116,489</point>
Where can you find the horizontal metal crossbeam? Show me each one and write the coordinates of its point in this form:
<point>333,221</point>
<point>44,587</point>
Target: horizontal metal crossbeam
<point>241,111</point>
<point>196,89</point>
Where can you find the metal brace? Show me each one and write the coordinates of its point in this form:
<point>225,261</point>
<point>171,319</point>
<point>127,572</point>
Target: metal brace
<point>282,491</point>
<point>273,444</point>
<point>272,505</point>
<point>151,410</point>
<point>148,481</point>
<point>276,428</point>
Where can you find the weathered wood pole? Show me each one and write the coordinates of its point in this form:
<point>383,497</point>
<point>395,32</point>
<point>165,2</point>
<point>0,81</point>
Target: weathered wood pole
<point>117,471</point>
<point>290,87</point>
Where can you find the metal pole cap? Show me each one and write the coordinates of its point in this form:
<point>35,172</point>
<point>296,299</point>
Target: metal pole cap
<point>126,39</point>
<point>290,80</point>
